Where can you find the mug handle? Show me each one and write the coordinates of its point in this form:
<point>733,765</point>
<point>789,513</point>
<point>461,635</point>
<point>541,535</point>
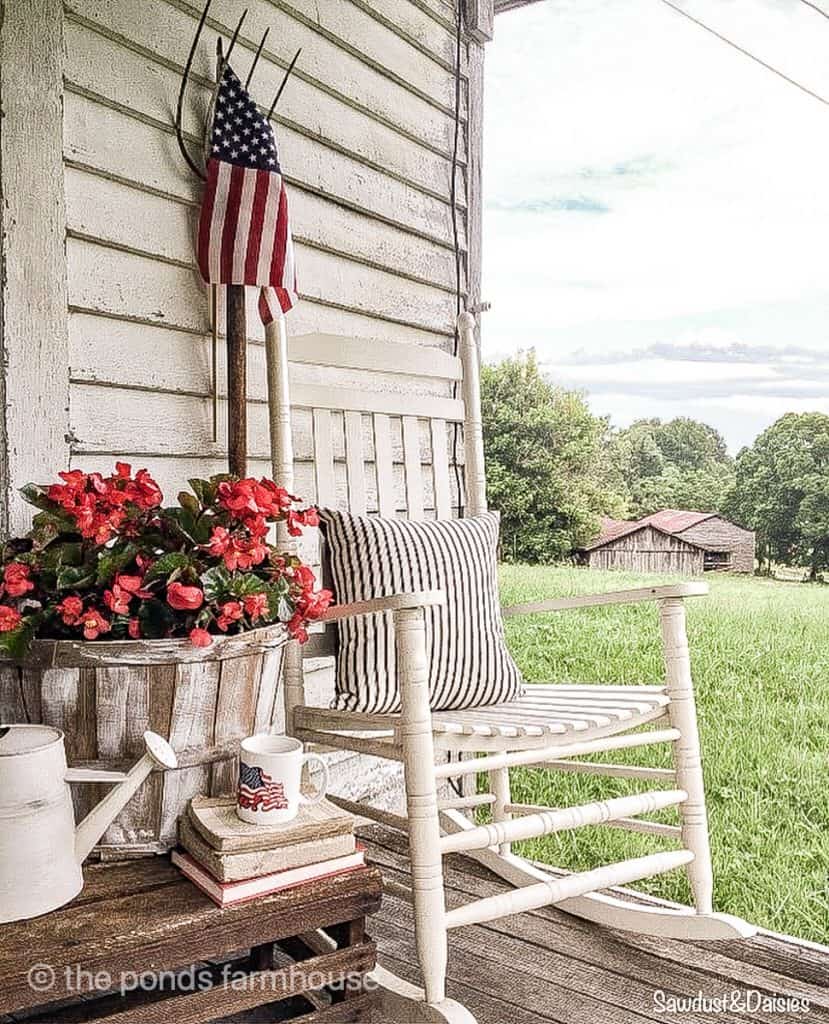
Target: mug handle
<point>315,799</point>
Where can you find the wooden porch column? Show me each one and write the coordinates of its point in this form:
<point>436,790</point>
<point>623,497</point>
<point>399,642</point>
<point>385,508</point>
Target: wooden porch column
<point>34,335</point>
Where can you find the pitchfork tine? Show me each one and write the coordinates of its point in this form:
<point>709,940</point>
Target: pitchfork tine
<point>188,67</point>
<point>285,78</point>
<point>256,58</point>
<point>235,35</point>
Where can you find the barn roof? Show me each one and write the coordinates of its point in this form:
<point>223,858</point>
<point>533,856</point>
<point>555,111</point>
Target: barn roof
<point>668,520</point>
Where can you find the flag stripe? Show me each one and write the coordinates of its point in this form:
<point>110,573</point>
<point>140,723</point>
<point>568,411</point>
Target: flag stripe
<point>243,223</point>
<point>234,196</point>
<point>263,179</point>
<point>263,273</point>
<point>217,220</point>
<point>206,218</point>
<point>278,256</point>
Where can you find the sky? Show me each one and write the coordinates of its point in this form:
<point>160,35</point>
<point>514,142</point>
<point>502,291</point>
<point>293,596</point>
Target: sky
<point>656,206</point>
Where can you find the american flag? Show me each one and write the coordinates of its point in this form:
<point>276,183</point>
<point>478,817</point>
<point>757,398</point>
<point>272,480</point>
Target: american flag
<point>258,791</point>
<point>244,233</point>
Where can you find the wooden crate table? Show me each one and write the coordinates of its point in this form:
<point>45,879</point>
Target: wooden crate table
<point>141,927</point>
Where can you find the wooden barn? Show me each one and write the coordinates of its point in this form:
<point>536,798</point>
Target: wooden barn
<point>672,540</point>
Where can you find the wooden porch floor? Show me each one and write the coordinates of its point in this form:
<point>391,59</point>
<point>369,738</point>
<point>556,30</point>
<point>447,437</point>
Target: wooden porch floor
<point>547,966</point>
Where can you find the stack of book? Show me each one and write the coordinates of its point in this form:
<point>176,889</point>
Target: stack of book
<point>233,861</point>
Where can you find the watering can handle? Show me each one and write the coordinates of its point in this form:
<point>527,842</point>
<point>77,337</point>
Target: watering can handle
<point>159,752</point>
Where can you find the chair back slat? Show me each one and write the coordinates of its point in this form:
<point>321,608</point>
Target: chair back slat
<point>376,356</point>
<point>324,459</point>
<point>385,467</point>
<point>382,420</point>
<point>355,463</point>
<point>393,403</point>
<point>412,467</point>
<point>440,469</point>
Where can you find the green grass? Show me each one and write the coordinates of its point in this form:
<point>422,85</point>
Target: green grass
<point>760,657</point>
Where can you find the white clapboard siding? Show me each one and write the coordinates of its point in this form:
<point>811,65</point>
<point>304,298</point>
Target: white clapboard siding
<point>435,36</point>
<point>96,205</point>
<point>382,46</point>
<point>146,153</point>
<point>125,283</point>
<point>145,86</point>
<point>325,64</point>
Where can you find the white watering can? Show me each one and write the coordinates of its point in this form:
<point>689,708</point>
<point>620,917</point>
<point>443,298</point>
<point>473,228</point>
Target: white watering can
<point>41,850</point>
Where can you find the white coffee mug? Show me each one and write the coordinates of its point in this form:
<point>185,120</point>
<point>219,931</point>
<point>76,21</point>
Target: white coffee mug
<point>270,775</point>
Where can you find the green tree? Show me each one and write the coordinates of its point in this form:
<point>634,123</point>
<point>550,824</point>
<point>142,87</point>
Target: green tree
<point>545,467</point>
<point>782,491</point>
<point>681,463</point>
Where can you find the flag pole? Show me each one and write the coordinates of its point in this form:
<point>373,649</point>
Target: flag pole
<point>236,335</point>
<point>237,403</point>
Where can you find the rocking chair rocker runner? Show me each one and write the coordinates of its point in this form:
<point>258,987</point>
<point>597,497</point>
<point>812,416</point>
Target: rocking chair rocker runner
<point>548,727</point>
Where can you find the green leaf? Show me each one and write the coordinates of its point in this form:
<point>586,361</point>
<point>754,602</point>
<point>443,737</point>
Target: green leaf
<point>58,555</point>
<point>113,561</point>
<point>216,583</point>
<point>186,500</point>
<point>120,627</point>
<point>35,495</point>
<point>17,642</point>
<point>203,490</point>
<point>156,619</point>
<point>72,577</point>
<point>241,585</point>
<point>46,526</point>
<point>172,562</point>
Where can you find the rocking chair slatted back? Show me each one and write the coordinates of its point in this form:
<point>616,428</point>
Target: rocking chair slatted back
<point>396,444</point>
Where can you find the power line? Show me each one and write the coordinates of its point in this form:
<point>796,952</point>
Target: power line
<point>815,7</point>
<point>747,53</point>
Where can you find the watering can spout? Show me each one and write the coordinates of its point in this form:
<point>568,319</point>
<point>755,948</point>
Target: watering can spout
<point>159,755</point>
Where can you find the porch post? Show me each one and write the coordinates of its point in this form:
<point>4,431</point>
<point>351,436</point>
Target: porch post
<point>34,334</point>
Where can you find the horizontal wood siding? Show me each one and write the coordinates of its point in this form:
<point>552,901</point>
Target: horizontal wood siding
<point>648,550</point>
<point>365,132</point>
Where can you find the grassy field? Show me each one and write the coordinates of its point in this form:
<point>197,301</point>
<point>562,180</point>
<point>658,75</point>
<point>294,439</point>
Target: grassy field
<point>760,655</point>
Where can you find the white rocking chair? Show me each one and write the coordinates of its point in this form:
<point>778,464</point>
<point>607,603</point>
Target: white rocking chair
<point>548,727</point>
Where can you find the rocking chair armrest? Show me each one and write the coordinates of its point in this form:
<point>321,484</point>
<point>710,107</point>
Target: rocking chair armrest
<point>560,604</point>
<point>392,603</point>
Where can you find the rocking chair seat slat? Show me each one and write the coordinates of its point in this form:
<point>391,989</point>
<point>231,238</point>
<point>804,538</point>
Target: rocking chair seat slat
<point>543,710</point>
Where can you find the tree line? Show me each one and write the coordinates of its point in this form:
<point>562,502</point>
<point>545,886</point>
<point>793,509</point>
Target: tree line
<point>554,469</point>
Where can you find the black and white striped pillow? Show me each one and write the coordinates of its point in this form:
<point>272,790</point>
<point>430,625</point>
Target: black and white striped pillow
<point>372,557</point>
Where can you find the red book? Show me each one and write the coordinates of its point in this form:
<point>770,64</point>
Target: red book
<point>228,894</point>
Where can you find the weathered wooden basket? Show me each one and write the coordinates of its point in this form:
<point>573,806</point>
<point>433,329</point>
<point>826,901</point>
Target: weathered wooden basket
<point>104,695</point>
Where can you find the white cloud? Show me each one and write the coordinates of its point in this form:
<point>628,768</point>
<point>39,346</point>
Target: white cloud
<point>642,177</point>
